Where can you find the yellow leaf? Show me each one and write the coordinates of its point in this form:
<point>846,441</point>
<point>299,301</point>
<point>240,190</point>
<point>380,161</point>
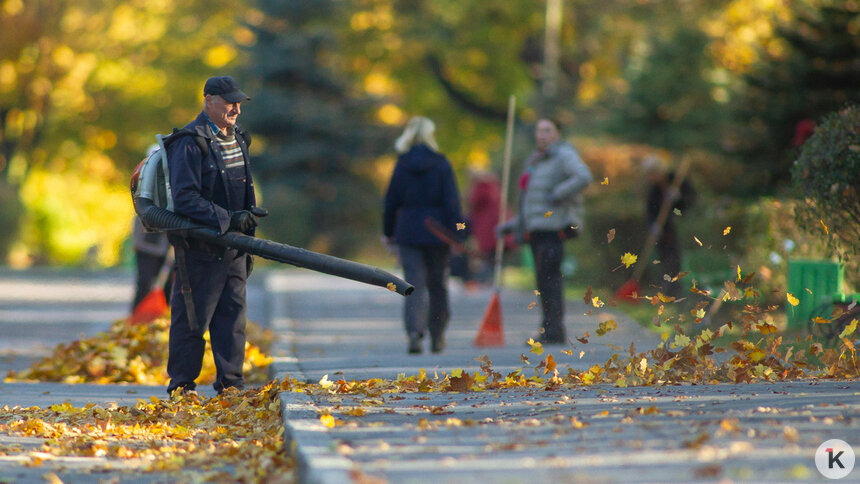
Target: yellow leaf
<point>628,259</point>
<point>820,320</point>
<point>581,354</point>
<point>791,299</point>
<point>549,364</point>
<point>391,287</point>
<point>826,231</point>
<point>697,241</point>
<point>325,382</point>
<point>548,214</point>
<point>727,230</point>
<point>849,330</point>
<point>457,373</point>
<point>596,302</point>
<point>739,273</point>
<point>327,421</point>
<point>461,226</point>
<point>756,355</point>
<point>537,348</point>
<point>532,305</point>
<point>605,181</point>
<point>700,313</point>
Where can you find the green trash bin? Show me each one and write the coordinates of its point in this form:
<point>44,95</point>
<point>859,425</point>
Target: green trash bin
<point>814,283</point>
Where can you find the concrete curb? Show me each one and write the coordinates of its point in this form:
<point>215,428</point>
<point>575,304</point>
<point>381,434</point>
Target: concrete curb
<point>304,436</point>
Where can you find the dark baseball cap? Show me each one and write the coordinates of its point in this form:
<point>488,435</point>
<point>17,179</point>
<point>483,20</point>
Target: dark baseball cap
<point>226,87</point>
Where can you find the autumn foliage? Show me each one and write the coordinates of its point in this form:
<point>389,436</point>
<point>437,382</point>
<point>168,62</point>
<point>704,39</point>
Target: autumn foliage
<point>136,354</point>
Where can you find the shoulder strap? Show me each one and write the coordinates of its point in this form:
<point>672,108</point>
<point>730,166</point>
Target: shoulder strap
<point>178,133</point>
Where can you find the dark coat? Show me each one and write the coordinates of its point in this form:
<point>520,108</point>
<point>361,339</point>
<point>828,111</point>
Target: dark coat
<point>199,186</point>
<point>422,186</point>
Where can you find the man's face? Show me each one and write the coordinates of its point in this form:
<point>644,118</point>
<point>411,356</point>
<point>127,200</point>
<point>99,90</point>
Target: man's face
<point>222,113</point>
<point>545,134</point>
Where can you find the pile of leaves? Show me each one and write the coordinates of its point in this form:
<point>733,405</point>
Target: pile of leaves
<point>137,354</point>
<point>233,437</point>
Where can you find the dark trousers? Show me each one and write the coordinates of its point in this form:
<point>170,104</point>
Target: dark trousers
<point>218,291</point>
<point>548,251</point>
<point>148,267</point>
<point>425,267</point>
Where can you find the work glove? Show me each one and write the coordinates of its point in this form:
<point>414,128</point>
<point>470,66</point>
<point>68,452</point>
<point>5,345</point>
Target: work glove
<point>259,211</point>
<point>242,221</point>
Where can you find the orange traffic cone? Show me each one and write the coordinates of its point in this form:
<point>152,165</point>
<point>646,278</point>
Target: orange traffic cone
<point>491,333</point>
<point>153,306</point>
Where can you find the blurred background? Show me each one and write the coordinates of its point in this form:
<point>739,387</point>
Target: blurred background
<point>735,86</point>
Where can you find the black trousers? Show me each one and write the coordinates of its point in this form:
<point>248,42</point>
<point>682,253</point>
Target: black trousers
<point>148,267</point>
<point>218,290</point>
<point>425,267</point>
<point>548,251</point>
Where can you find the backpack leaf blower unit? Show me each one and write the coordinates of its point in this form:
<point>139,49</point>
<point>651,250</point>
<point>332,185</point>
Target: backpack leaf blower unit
<point>150,188</point>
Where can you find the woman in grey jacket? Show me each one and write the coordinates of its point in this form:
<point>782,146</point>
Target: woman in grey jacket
<point>551,211</point>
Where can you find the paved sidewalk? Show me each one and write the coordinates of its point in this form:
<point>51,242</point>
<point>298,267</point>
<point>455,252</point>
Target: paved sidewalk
<point>41,308</point>
<point>327,326</point>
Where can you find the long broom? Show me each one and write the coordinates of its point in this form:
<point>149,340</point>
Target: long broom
<point>630,290</point>
<point>491,332</point>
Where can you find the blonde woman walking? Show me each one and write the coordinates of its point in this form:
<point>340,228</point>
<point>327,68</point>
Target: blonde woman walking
<point>422,187</point>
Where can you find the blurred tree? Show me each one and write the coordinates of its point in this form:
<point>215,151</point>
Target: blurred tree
<point>669,103</point>
<point>826,176</point>
<point>84,85</point>
<point>814,70</point>
<point>316,133</point>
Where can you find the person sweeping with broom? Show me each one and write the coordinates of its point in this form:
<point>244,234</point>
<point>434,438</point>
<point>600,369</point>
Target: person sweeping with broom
<point>551,211</point>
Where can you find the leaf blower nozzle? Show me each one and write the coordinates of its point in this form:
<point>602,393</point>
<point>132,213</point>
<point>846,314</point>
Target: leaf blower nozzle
<point>157,218</point>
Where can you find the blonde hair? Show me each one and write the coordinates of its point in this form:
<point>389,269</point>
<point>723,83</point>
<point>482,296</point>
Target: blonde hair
<point>418,130</point>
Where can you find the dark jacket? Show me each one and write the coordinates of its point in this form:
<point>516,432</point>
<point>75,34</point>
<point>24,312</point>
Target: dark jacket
<point>199,186</point>
<point>422,186</point>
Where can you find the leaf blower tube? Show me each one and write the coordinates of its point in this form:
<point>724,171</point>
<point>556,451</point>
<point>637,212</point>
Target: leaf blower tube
<point>156,217</point>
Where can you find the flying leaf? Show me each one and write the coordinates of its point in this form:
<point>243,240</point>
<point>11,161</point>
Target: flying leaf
<point>739,273</point>
<point>628,259</point>
<point>727,230</point>
<point>461,226</point>
<point>791,299</point>
<point>826,230</point>
<point>587,297</point>
<point>537,348</point>
<point>605,181</point>
<point>532,305</point>
<point>606,327</point>
<point>849,330</point>
<point>548,214</point>
<point>677,211</point>
<point>610,236</point>
<point>596,302</point>
<point>581,354</point>
<point>697,241</point>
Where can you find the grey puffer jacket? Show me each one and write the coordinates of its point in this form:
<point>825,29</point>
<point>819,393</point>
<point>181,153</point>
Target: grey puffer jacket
<point>552,198</point>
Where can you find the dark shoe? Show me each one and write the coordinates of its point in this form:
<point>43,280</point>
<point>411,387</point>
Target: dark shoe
<point>437,344</point>
<point>414,345</point>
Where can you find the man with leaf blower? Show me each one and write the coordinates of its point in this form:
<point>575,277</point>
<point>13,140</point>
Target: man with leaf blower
<point>211,185</point>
